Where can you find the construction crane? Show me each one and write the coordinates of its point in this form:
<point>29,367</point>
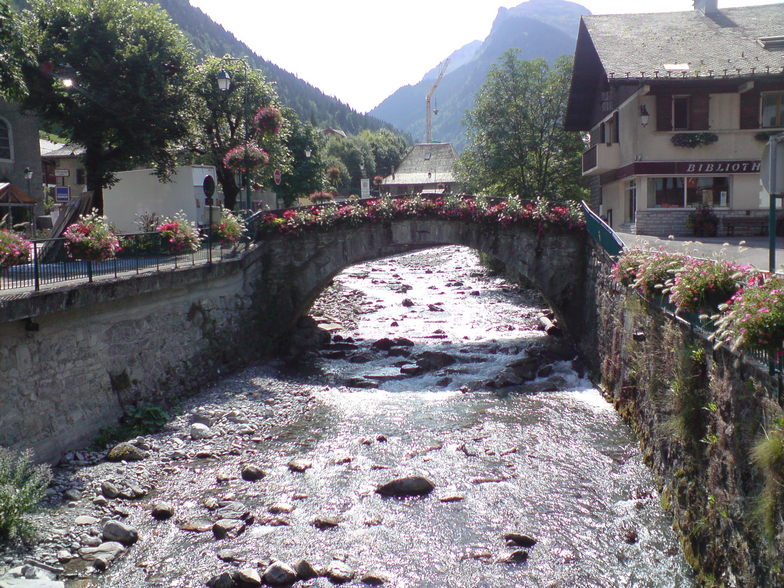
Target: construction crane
<point>428,111</point>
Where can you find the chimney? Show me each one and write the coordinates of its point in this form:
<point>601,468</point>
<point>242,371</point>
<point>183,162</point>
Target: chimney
<point>706,7</point>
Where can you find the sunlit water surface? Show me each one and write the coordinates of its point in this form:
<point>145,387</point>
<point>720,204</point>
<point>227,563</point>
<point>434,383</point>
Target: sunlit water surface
<point>559,466</point>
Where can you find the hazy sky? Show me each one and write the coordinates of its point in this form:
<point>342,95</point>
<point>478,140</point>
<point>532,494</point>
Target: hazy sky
<point>363,50</point>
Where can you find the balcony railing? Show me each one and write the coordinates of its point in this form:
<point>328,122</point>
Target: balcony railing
<point>590,159</point>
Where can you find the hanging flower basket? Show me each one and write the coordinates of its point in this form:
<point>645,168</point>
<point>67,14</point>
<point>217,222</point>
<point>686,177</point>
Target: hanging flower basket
<point>245,158</point>
<point>378,180</point>
<point>268,120</point>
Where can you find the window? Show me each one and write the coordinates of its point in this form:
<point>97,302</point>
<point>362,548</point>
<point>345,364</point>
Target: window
<point>5,140</point>
<point>80,176</point>
<point>688,192</point>
<point>773,109</point>
<point>680,113</point>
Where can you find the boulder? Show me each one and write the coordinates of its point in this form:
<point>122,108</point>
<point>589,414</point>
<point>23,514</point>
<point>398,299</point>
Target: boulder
<point>109,490</point>
<point>300,465</point>
<point>520,539</point>
<point>223,580</point>
<point>409,486</point>
<point>126,452</point>
<point>339,573</point>
<point>248,577</point>
<point>374,579</point>
<point>120,532</point>
<point>434,360</point>
<point>279,573</point>
<point>200,431</point>
<point>228,528</point>
<point>305,570</point>
<point>323,522</point>
<point>252,473</point>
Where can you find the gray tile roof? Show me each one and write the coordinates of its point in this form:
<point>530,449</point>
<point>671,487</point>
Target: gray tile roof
<point>70,150</point>
<point>639,45</point>
<point>436,159</point>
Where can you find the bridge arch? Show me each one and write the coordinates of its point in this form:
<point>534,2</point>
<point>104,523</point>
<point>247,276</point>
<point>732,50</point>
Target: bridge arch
<point>286,273</point>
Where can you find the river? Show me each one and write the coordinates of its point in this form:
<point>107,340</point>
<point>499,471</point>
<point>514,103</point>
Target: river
<point>555,462</point>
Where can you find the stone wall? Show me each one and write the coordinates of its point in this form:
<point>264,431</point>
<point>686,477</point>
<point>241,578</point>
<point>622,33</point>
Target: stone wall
<point>26,150</point>
<point>697,413</point>
<point>72,358</point>
<point>662,223</point>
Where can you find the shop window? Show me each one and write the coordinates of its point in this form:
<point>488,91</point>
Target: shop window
<point>5,140</point>
<point>688,192</point>
<point>773,109</point>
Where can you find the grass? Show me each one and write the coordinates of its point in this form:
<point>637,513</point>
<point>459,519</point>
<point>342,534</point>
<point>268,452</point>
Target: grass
<point>768,455</point>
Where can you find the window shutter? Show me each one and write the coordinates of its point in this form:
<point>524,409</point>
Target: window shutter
<point>616,128</point>
<point>663,112</point>
<point>700,110</point>
<point>749,110</point>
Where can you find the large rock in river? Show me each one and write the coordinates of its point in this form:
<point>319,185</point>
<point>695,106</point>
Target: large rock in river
<point>410,486</point>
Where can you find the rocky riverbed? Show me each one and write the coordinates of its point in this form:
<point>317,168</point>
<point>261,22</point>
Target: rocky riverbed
<point>421,431</point>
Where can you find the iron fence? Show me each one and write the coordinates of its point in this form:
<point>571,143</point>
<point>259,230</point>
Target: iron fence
<point>140,253</point>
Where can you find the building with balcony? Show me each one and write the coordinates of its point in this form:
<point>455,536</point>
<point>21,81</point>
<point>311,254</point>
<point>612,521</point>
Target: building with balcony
<point>679,107</point>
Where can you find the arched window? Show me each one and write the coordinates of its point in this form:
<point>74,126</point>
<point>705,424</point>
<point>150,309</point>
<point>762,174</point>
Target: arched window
<point>5,140</point>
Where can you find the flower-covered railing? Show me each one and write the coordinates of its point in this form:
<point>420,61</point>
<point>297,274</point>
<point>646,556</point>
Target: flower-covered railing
<point>738,306</point>
<point>538,214</point>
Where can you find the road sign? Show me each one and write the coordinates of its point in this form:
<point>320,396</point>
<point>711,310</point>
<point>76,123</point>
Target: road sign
<point>772,167</point>
<point>62,173</point>
<point>278,176</point>
<point>62,194</point>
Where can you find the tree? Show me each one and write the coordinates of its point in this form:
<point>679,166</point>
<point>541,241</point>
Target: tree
<point>113,77</point>
<point>307,168</point>
<point>356,156</point>
<point>226,121</point>
<point>517,142</point>
<point>387,148</point>
<point>13,54</point>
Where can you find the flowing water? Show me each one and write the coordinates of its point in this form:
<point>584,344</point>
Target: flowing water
<point>559,465</point>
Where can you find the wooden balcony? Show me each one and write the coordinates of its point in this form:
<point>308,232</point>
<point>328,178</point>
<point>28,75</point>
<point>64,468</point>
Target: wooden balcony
<point>601,158</point>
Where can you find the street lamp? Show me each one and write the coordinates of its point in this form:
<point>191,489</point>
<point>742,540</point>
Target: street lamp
<point>224,84</point>
<point>28,175</point>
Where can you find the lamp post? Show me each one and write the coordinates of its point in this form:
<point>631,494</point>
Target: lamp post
<point>224,84</point>
<point>28,175</point>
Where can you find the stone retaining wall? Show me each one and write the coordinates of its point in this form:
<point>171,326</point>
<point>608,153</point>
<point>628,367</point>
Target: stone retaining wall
<point>697,422</point>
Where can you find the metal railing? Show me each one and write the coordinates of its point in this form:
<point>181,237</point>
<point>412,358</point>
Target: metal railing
<point>140,253</point>
<point>602,233</point>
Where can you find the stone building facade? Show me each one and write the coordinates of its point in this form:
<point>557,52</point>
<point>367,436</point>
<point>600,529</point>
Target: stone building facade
<point>19,149</point>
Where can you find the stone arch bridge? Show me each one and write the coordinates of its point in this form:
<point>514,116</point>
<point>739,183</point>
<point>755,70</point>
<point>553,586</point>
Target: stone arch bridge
<point>72,358</point>
<point>289,272</point>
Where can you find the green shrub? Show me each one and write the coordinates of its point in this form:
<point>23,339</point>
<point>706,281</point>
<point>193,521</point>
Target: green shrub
<point>22,485</point>
<point>143,419</point>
